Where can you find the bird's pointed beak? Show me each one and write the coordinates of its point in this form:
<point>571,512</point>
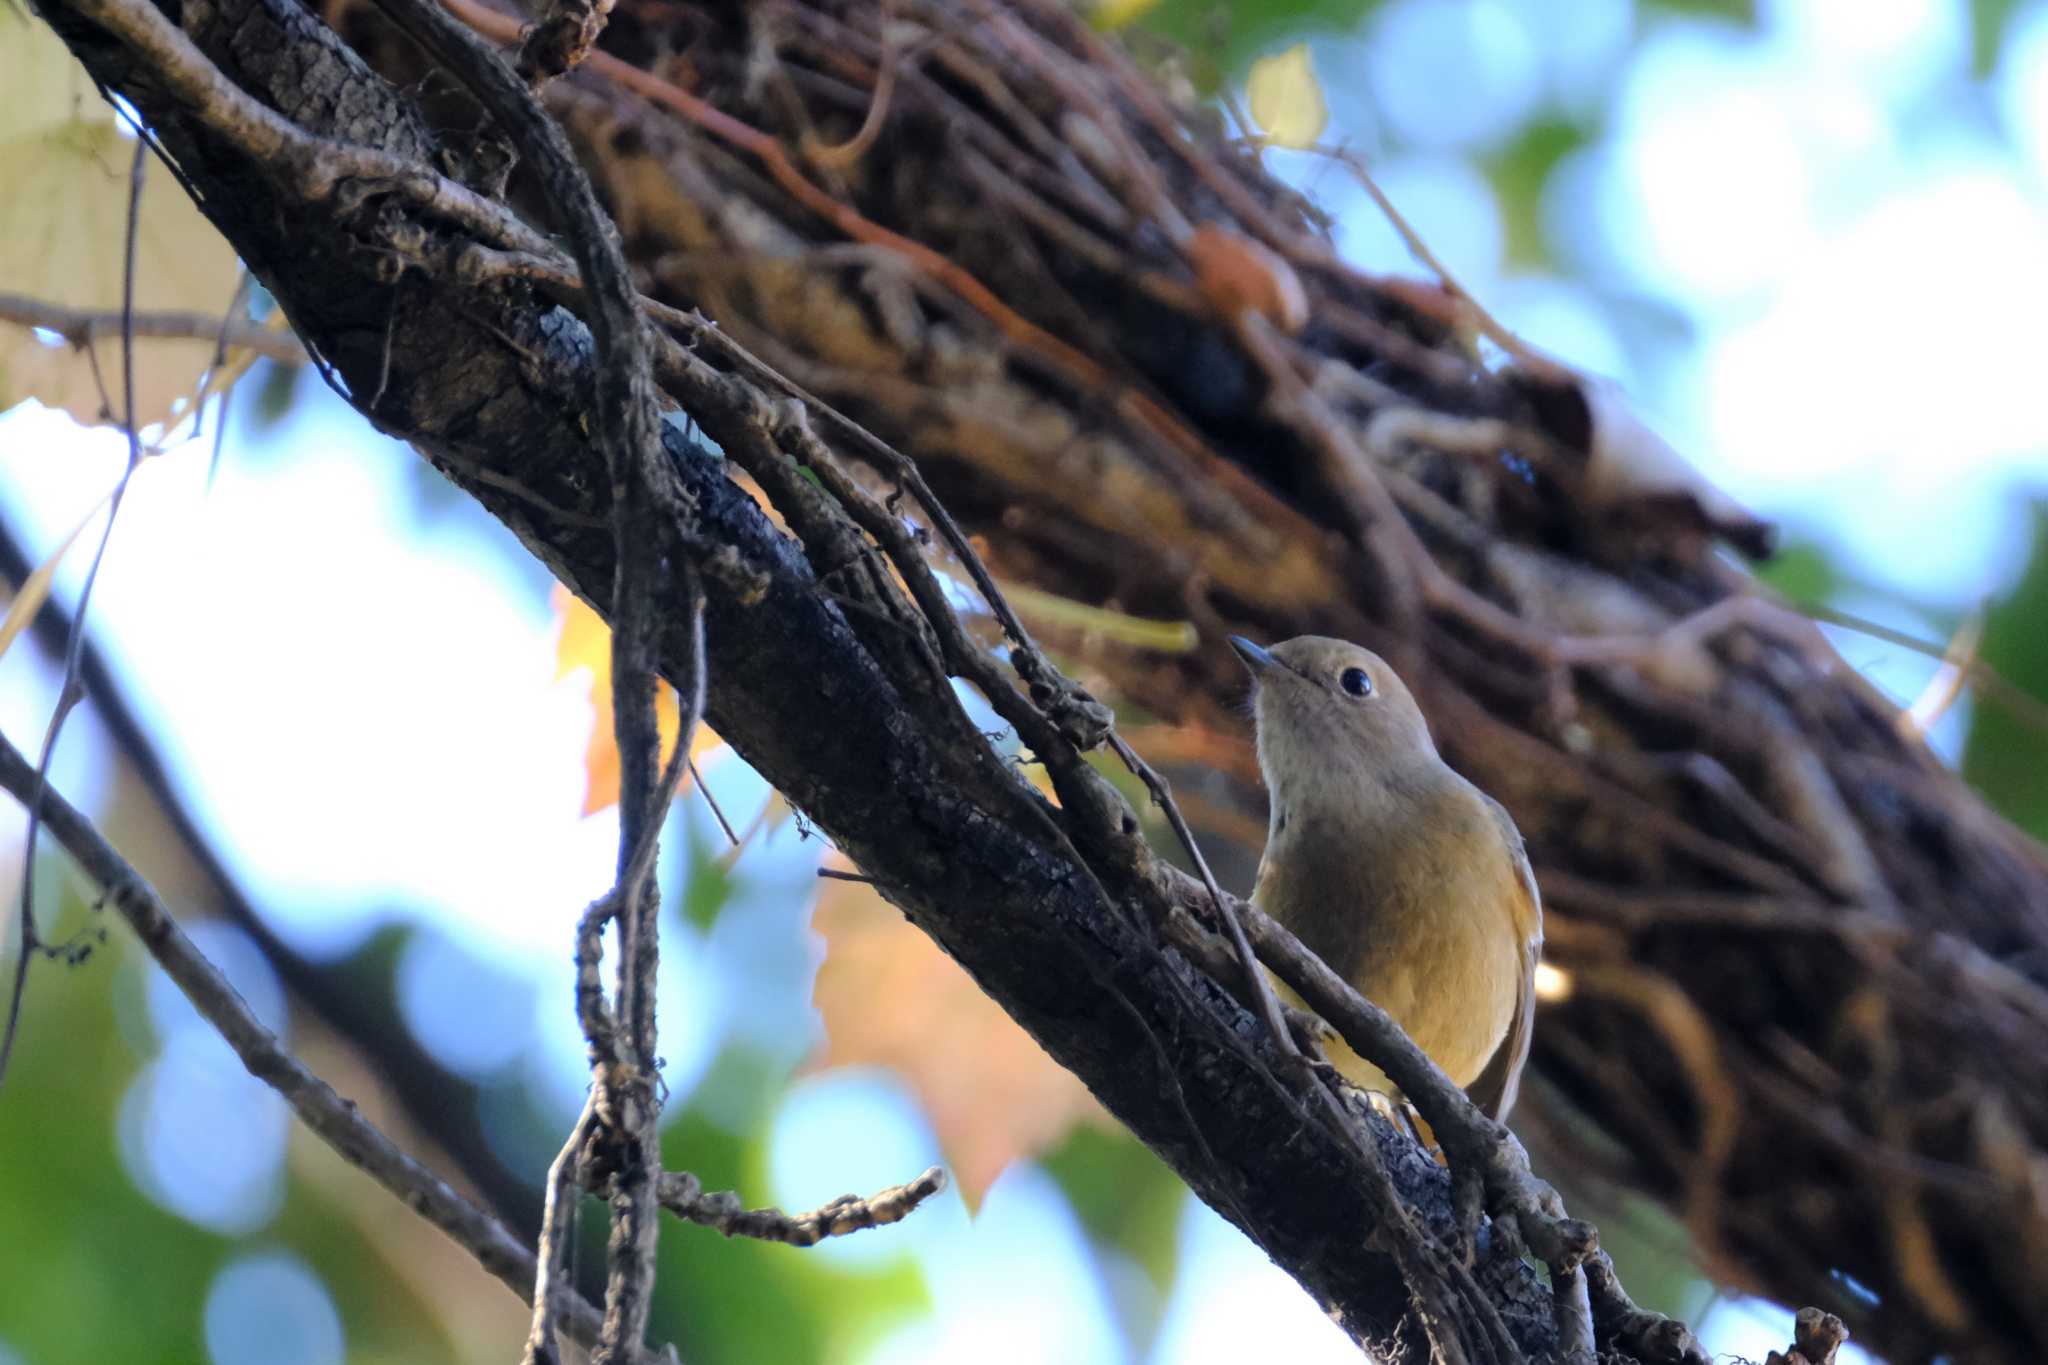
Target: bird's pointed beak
<point>1257,658</point>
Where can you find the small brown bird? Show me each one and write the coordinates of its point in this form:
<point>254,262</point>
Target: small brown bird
<point>1406,879</point>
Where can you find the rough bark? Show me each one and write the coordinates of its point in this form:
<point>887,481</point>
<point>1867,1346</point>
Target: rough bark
<point>1806,962</point>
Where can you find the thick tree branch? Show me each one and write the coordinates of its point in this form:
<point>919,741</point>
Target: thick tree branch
<point>1719,809</point>
<point>1667,741</point>
<point>980,862</point>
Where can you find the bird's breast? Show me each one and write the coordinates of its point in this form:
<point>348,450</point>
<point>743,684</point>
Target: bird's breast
<point>1412,904</point>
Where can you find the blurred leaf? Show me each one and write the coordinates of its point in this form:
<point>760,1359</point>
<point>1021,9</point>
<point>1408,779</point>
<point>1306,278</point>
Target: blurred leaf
<point>709,883</point>
<point>33,591</point>
<point>1128,1200</point>
<point>1520,171</point>
<point>2003,757</point>
<point>1742,11</point>
<point>774,814</point>
<point>1116,14</point>
<point>740,1092</point>
<point>1064,613</point>
<point>274,393</point>
<point>1286,99</point>
<point>78,1232</point>
<point>1989,22</point>
<point>1223,37</point>
<point>63,224</point>
<point>891,998</point>
<point>1802,572</point>
<point>1654,1245</point>
<point>361,1252</point>
<point>584,641</point>
<point>737,1299</point>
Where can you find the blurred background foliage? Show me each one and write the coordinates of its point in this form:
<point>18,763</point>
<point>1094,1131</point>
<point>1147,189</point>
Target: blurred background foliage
<point>380,718</point>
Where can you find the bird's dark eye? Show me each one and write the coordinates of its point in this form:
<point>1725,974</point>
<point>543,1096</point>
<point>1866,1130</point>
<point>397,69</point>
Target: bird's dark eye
<point>1356,681</point>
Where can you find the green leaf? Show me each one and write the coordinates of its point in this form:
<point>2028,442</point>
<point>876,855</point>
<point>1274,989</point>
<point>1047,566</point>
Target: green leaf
<point>1129,1201</point>
<point>1989,22</point>
<point>1742,11</point>
<point>708,885</point>
<point>1222,39</point>
<point>1286,98</point>
<point>1802,572</point>
<point>1519,171</point>
<point>78,1231</point>
<point>275,387</point>
<point>738,1299</point>
<point>2005,756</point>
<point>1645,1237</point>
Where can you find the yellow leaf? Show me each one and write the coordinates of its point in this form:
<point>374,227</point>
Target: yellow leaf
<point>891,998</point>
<point>1169,637</point>
<point>583,641</point>
<point>1116,14</point>
<point>63,225</point>
<point>35,589</point>
<point>1286,98</point>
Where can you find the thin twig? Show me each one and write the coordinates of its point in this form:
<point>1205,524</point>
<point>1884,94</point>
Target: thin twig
<point>1947,683</point>
<point>2025,707</point>
<point>1248,962</point>
<point>557,1234</point>
<point>82,326</point>
<point>690,705</point>
<point>1466,1133</point>
<point>683,1196</point>
<point>310,166</point>
<point>30,945</point>
<point>1483,320</point>
<point>422,1086</point>
<point>244,282</point>
<point>336,1121</point>
<point>717,812</point>
<point>838,875</point>
<point>845,154</point>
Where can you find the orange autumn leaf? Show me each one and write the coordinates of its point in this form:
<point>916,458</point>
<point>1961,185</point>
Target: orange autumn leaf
<point>583,641</point>
<point>891,998</point>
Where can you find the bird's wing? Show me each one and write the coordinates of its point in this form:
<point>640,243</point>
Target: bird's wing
<point>1494,1089</point>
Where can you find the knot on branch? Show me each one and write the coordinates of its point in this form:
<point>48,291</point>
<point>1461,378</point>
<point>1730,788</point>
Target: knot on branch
<point>1081,720</point>
<point>623,1104</point>
<point>1816,1336</point>
<point>1560,1243</point>
<point>558,44</point>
